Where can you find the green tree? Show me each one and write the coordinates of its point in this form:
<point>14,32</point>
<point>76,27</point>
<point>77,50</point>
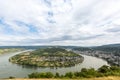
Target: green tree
<point>69,75</point>
<point>76,74</point>
<point>104,69</point>
<point>49,75</point>
<point>83,70</point>
<point>34,75</point>
<point>57,75</point>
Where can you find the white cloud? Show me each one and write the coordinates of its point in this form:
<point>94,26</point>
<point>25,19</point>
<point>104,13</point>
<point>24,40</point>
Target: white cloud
<point>59,22</point>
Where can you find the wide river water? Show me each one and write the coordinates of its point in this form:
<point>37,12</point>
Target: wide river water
<point>8,69</point>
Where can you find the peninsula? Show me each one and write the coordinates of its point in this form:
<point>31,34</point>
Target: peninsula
<point>48,57</point>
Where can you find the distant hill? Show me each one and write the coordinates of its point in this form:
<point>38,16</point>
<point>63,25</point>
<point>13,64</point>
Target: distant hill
<point>109,46</point>
<point>112,45</point>
<point>37,47</point>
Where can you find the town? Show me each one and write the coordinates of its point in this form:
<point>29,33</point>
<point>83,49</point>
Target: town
<point>110,57</point>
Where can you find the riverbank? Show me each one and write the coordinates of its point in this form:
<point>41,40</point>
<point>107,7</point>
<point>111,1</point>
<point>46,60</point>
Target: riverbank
<point>101,78</point>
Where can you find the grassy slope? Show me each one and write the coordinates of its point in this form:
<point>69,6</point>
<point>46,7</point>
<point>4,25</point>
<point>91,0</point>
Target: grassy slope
<point>101,78</point>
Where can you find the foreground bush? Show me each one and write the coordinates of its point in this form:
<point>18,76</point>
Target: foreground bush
<point>85,73</point>
<point>41,75</point>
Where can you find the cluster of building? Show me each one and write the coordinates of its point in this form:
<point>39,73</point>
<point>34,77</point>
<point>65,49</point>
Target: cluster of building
<point>110,57</point>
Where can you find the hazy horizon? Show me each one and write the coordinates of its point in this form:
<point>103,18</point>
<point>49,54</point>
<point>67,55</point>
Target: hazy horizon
<point>59,22</point>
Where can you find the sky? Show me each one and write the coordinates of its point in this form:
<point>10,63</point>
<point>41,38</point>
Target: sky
<point>59,22</point>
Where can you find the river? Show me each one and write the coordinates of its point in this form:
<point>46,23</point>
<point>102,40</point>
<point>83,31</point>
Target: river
<point>8,69</point>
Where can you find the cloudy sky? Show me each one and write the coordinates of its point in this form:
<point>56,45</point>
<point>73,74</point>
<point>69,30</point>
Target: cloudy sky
<point>59,22</point>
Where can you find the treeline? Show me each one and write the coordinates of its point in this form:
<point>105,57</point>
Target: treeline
<point>48,50</point>
<point>85,73</point>
<point>54,51</point>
